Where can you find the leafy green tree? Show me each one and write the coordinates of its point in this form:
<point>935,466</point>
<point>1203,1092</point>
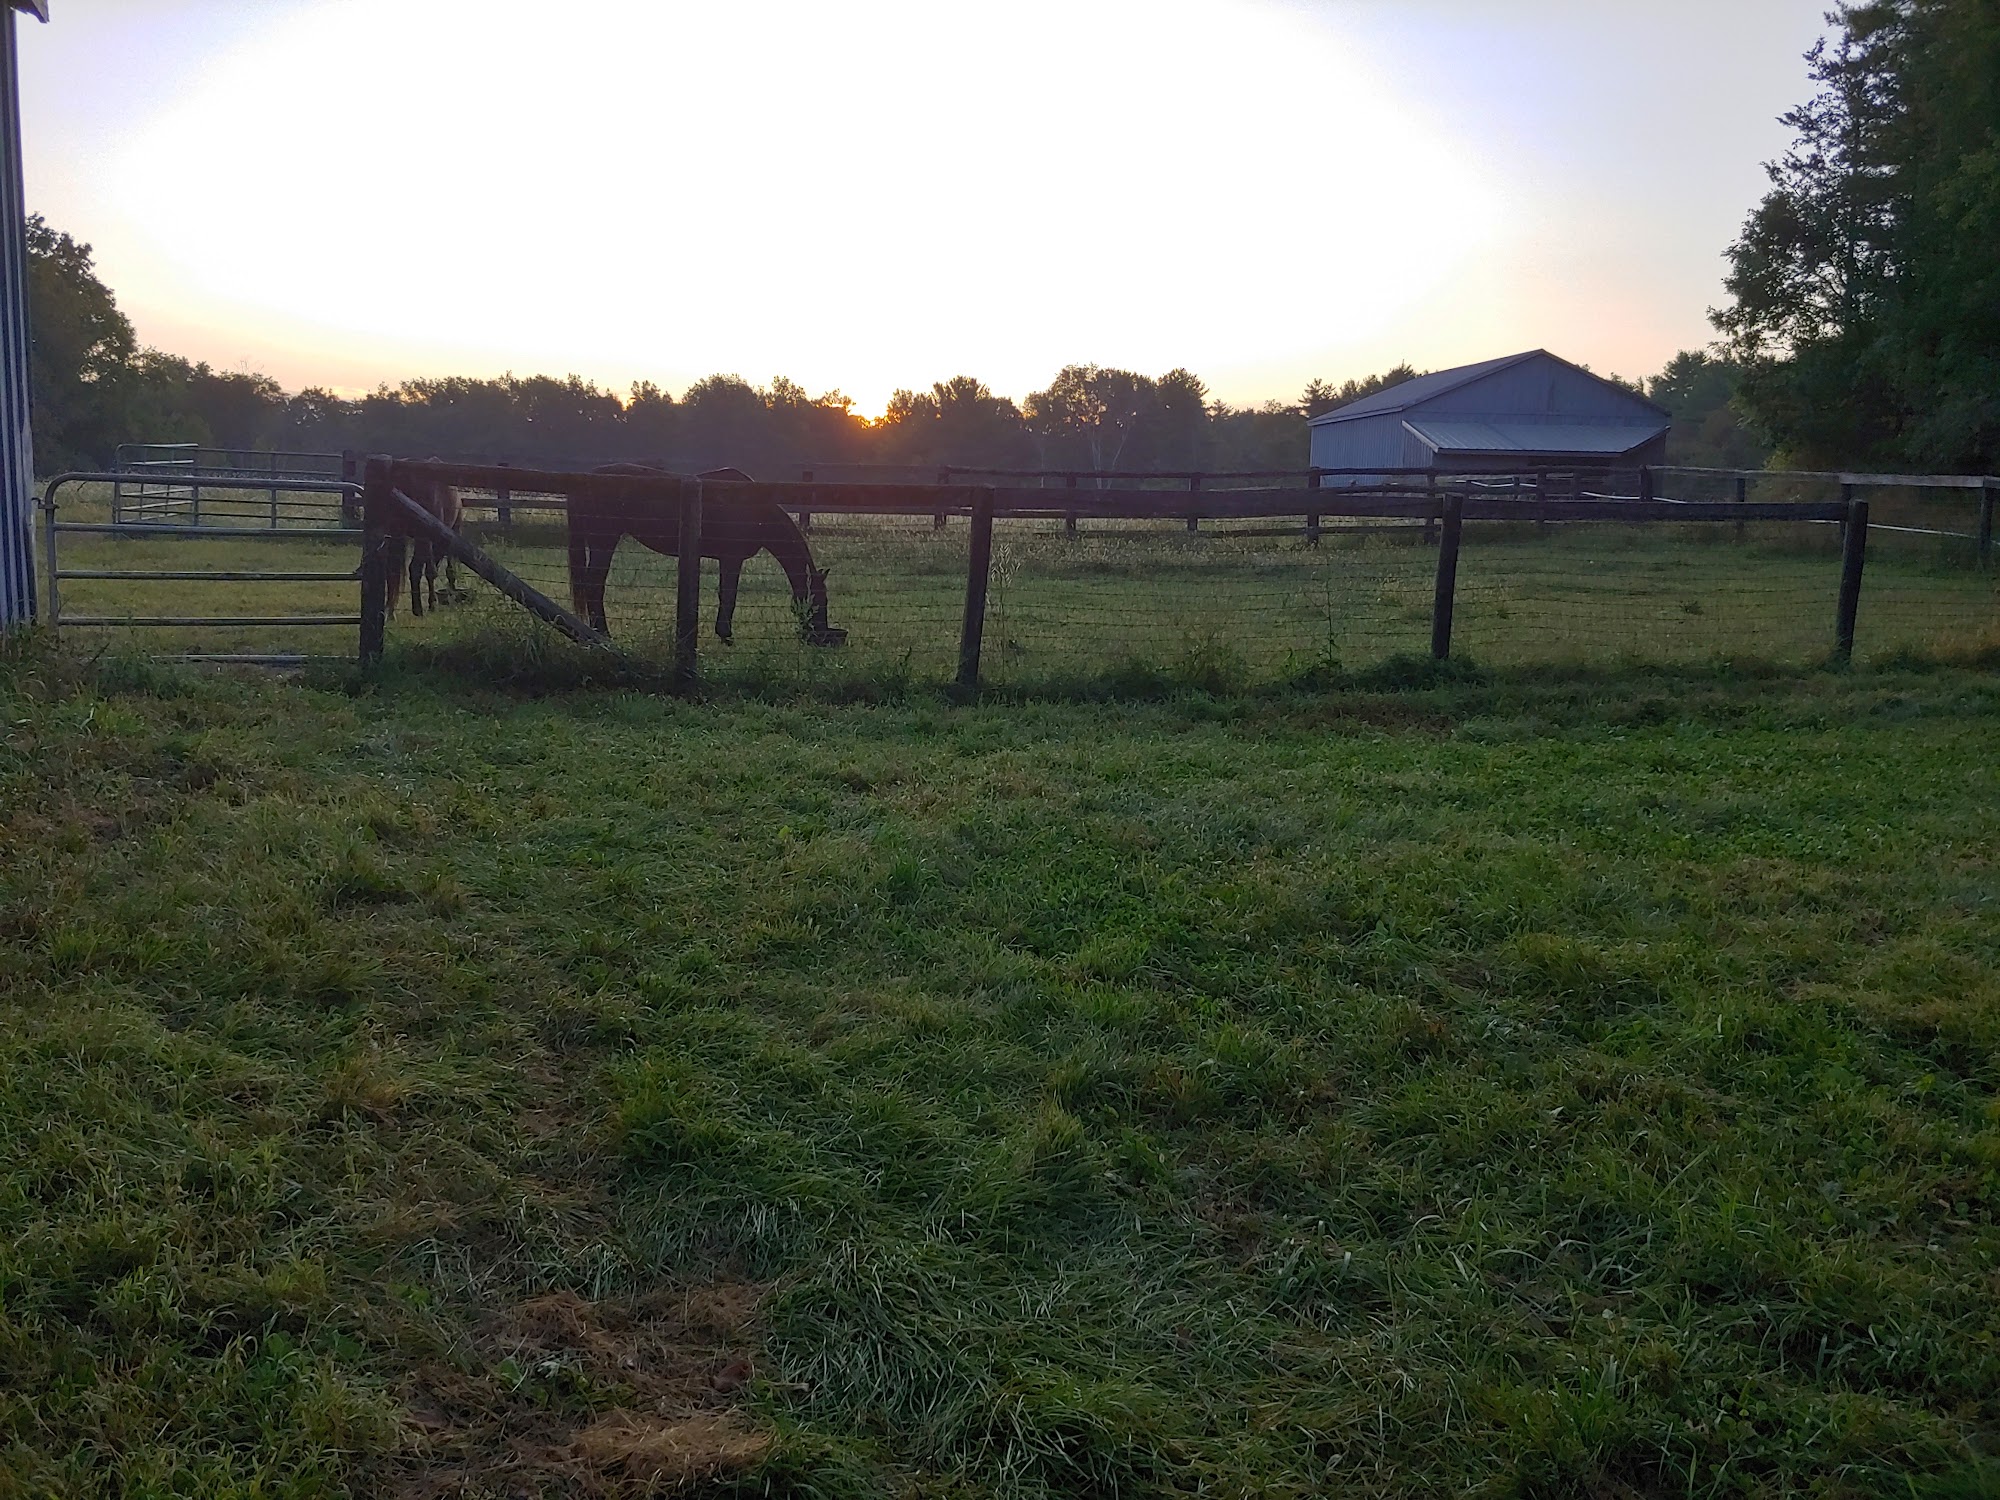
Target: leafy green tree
<point>1699,388</point>
<point>82,347</point>
<point>1319,397</point>
<point>237,409</point>
<point>1946,325</point>
<point>1089,415</point>
<point>652,422</point>
<point>317,421</point>
<point>957,421</point>
<point>1179,430</point>
<point>802,429</point>
<point>723,420</point>
<point>1865,305</point>
<point>1269,436</point>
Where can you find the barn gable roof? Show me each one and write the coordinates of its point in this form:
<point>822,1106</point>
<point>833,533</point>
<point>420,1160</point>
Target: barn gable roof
<point>1414,393</point>
<point>1411,392</point>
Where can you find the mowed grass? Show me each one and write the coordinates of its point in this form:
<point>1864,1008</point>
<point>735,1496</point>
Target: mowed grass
<point>1222,607</point>
<point>1535,1086</point>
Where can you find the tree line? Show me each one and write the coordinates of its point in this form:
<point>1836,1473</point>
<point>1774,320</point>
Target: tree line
<point>1865,289</point>
<point>95,386</point>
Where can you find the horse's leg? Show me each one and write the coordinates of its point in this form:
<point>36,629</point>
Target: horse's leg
<point>596,569</point>
<point>417,581</point>
<point>725,597</point>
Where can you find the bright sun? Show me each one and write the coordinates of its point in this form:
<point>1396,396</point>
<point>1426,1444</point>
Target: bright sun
<point>855,195</point>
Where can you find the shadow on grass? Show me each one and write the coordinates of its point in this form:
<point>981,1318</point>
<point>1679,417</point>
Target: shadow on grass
<point>525,661</point>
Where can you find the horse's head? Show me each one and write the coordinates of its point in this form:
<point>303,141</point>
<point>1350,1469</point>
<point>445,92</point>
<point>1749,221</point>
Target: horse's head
<point>813,628</point>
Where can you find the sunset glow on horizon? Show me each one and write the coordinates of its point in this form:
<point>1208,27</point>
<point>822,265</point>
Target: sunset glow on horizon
<point>884,194</point>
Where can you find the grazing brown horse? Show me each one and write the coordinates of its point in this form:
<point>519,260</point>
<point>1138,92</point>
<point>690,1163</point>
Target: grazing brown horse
<point>731,534</point>
<point>442,501</point>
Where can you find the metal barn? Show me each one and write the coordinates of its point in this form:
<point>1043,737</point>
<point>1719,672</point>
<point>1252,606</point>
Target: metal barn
<point>1522,413</point>
<point>17,463</point>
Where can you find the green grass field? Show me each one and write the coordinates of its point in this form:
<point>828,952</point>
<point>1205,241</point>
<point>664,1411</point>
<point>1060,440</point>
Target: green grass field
<point>1132,600</point>
<point>1523,1084</point>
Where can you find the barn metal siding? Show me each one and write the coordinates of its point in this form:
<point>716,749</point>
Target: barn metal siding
<point>17,462</point>
<point>1521,389</point>
<point>1363,443</point>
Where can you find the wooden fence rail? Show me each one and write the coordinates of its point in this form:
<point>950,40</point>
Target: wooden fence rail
<point>1441,503</point>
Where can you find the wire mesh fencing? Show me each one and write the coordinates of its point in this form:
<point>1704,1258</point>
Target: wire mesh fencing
<point>1237,596</point>
<point>1142,585</point>
<point>1228,602</point>
<point>1604,592</point>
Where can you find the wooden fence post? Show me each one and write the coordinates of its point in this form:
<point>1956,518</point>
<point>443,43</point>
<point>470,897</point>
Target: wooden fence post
<point>375,560</point>
<point>687,590</point>
<point>1986,498</point>
<point>350,471</point>
<point>978,570</point>
<point>805,516</point>
<point>1194,486</point>
<point>944,478</point>
<point>1646,490</point>
<point>1431,515</point>
<point>1445,598</point>
<point>503,503</point>
<point>1846,511</point>
<point>1742,498</point>
<point>1853,553</point>
<point>274,490</point>
<point>1069,520</point>
<point>1312,516</point>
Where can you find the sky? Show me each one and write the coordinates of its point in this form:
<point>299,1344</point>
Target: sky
<point>866,194</point>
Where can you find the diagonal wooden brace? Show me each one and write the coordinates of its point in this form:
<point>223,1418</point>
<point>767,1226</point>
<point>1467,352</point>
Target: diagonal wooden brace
<point>522,593</point>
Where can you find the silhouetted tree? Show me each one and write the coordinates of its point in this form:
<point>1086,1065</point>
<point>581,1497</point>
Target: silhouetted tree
<point>82,347</point>
<point>1865,301</point>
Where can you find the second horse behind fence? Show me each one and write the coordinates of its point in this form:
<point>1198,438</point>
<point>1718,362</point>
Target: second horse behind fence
<point>442,501</point>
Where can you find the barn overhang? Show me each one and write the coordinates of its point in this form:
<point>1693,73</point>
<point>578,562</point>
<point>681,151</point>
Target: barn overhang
<point>1517,440</point>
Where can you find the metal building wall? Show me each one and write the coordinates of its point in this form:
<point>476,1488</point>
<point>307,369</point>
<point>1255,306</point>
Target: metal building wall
<point>17,461</point>
<point>1364,442</point>
<point>1535,387</point>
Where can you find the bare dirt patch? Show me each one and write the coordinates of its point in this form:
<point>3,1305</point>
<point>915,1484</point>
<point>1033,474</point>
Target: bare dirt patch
<point>564,1396</point>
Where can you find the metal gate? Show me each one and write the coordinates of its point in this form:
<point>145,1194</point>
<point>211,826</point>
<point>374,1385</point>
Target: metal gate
<point>299,515</point>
